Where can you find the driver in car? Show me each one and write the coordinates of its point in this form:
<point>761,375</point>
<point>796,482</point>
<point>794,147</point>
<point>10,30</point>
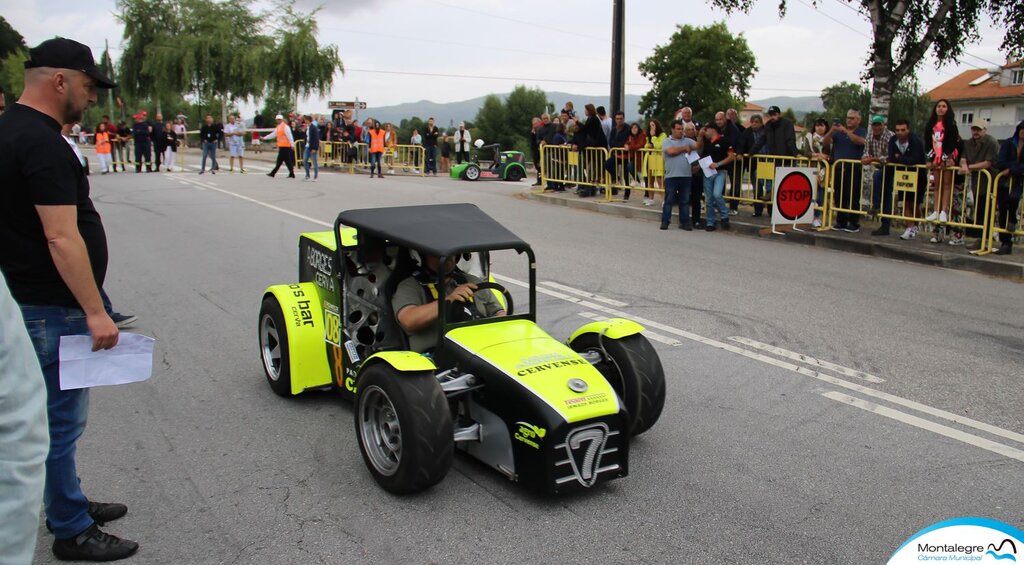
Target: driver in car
<point>415,301</point>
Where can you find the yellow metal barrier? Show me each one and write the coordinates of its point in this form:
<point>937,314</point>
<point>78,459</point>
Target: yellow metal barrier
<point>1005,210</point>
<point>406,157</point>
<point>562,167</point>
<point>632,170</point>
<point>752,176</point>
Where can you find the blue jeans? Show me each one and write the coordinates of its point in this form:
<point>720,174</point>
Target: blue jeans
<point>714,197</point>
<point>67,410</point>
<point>677,191</point>
<point>375,162</point>
<point>209,148</point>
<point>430,164</point>
<point>309,154</point>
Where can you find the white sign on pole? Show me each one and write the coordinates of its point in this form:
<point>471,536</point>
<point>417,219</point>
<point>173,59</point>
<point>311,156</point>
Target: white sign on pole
<point>793,195</point>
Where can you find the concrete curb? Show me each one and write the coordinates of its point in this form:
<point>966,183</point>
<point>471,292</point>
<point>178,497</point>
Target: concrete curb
<point>990,265</point>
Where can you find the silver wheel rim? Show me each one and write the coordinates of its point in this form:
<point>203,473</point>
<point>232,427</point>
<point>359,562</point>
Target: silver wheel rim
<point>270,347</point>
<point>472,173</point>
<point>380,431</point>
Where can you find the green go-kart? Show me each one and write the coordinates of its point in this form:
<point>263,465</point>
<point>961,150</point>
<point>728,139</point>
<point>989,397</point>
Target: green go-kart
<point>506,165</point>
<point>554,415</point>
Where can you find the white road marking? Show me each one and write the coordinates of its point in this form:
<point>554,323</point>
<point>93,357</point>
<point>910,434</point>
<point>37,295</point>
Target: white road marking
<point>955,418</point>
<point>584,294</point>
<point>947,431</point>
<point>924,408</point>
<point>200,184</point>
<point>806,359</point>
<point>655,336</point>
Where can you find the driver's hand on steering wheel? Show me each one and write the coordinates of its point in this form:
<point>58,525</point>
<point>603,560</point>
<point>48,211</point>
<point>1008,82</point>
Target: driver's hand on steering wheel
<point>462,293</point>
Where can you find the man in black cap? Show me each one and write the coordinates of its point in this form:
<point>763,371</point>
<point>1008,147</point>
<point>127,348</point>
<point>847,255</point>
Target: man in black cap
<point>53,252</point>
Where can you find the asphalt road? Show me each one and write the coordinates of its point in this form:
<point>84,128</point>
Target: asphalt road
<point>822,407</point>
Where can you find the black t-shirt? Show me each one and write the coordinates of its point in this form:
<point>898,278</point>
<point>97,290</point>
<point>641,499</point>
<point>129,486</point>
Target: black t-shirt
<point>140,131</point>
<point>430,136</point>
<point>38,167</point>
<point>718,150</point>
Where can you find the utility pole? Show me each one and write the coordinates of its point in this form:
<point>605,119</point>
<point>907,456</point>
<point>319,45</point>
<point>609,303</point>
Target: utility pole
<point>110,91</point>
<point>618,97</point>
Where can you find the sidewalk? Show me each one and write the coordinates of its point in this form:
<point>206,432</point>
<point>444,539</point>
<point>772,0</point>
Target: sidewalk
<point>918,250</point>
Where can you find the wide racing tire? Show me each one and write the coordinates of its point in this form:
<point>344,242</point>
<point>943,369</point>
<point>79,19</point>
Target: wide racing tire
<point>634,370</point>
<point>404,426</point>
<point>273,336</point>
<point>515,174</point>
<point>472,172</point>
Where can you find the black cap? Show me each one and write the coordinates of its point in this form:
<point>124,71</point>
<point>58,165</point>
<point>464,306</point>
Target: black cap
<point>61,53</point>
<point>773,110</point>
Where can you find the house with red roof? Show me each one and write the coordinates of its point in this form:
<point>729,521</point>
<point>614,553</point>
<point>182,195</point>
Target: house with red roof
<point>995,95</point>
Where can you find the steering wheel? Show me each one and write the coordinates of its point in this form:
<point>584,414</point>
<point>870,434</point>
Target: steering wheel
<point>504,291</point>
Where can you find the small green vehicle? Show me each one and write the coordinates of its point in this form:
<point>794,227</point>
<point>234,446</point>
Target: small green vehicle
<point>506,165</point>
<point>555,416</point>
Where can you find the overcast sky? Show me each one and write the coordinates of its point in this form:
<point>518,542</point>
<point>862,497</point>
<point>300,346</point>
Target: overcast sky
<point>563,45</point>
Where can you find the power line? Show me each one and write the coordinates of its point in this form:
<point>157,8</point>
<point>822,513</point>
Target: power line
<point>456,43</point>
<point>858,12</point>
<point>528,79</point>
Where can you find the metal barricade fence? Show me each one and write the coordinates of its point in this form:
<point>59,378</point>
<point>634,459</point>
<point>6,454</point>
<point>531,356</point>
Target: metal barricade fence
<point>407,157</point>
<point>751,179</point>
<point>631,170</point>
<point>562,165</point>
<point>1005,210</point>
<point>911,193</point>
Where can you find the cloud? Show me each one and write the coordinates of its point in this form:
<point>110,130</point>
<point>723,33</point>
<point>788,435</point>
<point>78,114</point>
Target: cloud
<point>343,7</point>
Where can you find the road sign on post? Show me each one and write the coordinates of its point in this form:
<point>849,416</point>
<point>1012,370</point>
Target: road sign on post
<point>346,105</point>
<point>794,192</point>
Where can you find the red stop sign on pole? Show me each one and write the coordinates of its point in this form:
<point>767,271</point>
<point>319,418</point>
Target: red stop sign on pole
<point>794,195</point>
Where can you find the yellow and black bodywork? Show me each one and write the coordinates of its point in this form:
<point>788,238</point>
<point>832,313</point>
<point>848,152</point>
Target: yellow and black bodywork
<point>538,410</point>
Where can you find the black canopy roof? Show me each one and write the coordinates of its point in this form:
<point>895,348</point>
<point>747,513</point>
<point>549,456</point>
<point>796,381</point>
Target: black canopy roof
<point>440,229</point>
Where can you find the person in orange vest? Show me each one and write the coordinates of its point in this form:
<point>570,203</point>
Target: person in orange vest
<point>103,147</point>
<point>376,148</point>
<point>285,147</point>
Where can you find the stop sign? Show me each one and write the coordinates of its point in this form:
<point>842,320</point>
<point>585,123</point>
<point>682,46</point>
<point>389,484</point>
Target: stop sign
<point>794,195</point>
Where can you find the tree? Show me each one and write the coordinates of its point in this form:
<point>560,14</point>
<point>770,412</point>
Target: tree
<point>508,123</point>
<point>150,28</point>
<point>13,53</point>
<point>296,64</point>
<point>10,40</point>
<point>903,31</point>
<point>706,68</point>
<point>907,103</point>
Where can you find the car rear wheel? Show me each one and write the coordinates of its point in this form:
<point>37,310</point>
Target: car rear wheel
<point>634,371</point>
<point>515,174</point>
<point>472,172</point>
<point>404,428</point>
<point>273,334</point>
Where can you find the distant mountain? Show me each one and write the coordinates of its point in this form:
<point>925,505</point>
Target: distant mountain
<point>451,113</point>
<point>799,104</point>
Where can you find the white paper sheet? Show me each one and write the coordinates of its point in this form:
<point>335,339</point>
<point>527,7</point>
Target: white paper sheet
<point>705,165</point>
<point>130,361</point>
<point>692,156</point>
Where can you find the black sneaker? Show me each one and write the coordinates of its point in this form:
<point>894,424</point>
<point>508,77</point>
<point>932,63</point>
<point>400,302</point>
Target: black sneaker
<point>663,227</point>
<point>103,512</point>
<point>884,230</point>
<point>852,228</point>
<point>710,227</point>
<point>123,321</point>
<point>93,545</point>
<point>686,227</point>
<point>838,227</point>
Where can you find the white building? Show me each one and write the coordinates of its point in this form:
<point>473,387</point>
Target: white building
<point>995,95</point>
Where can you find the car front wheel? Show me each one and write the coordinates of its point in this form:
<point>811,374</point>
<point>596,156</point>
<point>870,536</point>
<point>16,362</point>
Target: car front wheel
<point>273,334</point>
<point>404,428</point>
<point>634,370</point>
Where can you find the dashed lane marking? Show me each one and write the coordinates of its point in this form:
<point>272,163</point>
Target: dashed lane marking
<point>808,360</point>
